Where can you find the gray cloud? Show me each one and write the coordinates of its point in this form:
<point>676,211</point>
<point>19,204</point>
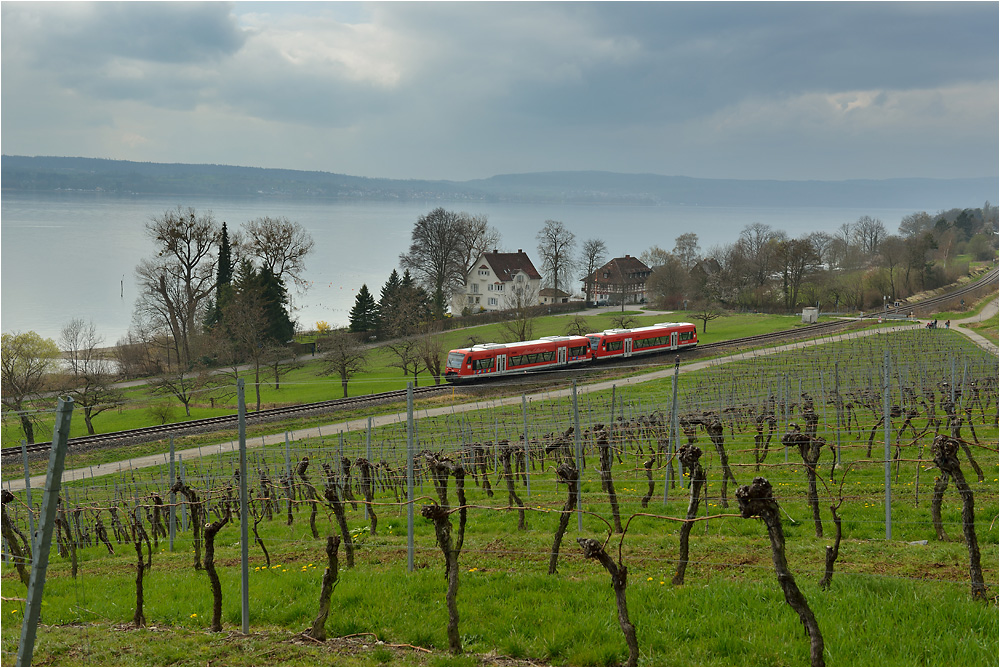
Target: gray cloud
<point>464,90</point>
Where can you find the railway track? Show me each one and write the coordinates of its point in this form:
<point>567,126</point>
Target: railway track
<point>146,434</point>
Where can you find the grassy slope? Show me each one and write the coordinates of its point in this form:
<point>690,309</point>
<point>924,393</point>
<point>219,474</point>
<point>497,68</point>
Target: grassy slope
<point>892,602</point>
<point>305,385</point>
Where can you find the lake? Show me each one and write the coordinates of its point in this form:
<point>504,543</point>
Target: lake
<point>73,255</point>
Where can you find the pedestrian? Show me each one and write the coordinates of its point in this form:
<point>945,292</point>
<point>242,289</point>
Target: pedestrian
<point>947,324</point>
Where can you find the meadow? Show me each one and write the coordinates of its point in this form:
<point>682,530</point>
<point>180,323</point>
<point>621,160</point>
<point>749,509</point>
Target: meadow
<point>899,600</point>
<point>308,384</point>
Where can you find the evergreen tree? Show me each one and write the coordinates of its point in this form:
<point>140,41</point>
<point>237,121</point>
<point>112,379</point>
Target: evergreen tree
<point>411,308</point>
<point>280,328</point>
<point>223,280</point>
<point>273,297</point>
<point>364,315</point>
<point>388,300</point>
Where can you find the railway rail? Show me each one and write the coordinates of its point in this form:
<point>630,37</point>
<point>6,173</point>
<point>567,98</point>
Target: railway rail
<point>211,424</point>
<point>145,434</point>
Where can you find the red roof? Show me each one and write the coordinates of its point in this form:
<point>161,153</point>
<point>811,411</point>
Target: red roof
<point>506,265</point>
<point>621,270</point>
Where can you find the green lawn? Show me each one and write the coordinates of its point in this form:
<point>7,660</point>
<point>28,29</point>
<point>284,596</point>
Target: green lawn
<point>306,384</point>
<point>899,601</point>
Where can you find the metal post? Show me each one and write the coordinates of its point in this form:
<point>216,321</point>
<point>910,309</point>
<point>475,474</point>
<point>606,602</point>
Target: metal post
<point>184,514</point>
<point>836,390</point>
<point>368,453</point>
<point>43,542</point>
<point>27,489</point>
<point>244,511</point>
<point>578,443</point>
<point>675,427</point>
<point>172,513</point>
<point>887,423</point>
<point>409,476</point>
<point>527,446</point>
<point>288,473</point>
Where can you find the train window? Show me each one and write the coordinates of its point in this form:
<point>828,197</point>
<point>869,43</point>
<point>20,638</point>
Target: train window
<point>549,356</point>
<point>614,345</point>
<point>483,364</point>
<point>455,360</point>
<point>578,351</point>
<point>595,341</point>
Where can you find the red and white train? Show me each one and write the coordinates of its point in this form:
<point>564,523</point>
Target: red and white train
<point>503,359</point>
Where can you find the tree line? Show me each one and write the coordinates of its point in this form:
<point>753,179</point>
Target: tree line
<point>857,267</point>
<point>215,299</point>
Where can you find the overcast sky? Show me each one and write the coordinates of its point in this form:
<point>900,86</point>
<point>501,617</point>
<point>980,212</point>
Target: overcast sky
<point>464,90</point>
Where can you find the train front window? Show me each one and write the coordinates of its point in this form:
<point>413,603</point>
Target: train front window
<point>595,341</point>
<point>455,360</point>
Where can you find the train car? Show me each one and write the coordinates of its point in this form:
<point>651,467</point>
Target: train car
<point>616,343</point>
<point>501,359</point>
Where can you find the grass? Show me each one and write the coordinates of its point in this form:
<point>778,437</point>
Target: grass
<point>914,597</point>
<point>306,385</point>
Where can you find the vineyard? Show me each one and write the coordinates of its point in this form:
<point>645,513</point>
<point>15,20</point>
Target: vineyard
<point>833,504</point>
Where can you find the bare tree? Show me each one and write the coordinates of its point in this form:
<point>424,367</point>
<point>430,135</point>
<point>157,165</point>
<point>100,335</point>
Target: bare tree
<point>794,258</point>
<point>91,378</point>
<point>593,254</point>
<point>279,245</point>
<point>432,355</point>
<point>436,255</point>
<point>521,303</point>
<point>26,360</point>
<point>669,283</point>
<point>654,256</point>
<point>705,313</point>
<point>477,236</point>
<point>176,284</point>
<point>407,356</point>
<point>578,326</point>
<point>555,246</point>
<point>344,356</point>
<point>892,253</point>
<point>757,244</point>
<point>868,234</point>
<point>182,385</point>
<point>245,329</point>
<point>686,249</point>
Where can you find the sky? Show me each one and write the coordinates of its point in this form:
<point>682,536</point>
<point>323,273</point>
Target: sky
<point>466,90</point>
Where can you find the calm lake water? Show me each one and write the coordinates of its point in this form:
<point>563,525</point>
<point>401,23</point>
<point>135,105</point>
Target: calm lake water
<point>73,255</point>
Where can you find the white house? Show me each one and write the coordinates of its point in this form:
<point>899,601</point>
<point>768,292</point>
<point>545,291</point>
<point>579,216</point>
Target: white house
<point>498,281</point>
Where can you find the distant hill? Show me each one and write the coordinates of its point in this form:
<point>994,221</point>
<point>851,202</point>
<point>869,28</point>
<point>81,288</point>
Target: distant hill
<point>54,174</point>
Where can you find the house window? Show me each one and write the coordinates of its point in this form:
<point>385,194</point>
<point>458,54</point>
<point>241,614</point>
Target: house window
<point>484,272</point>
<point>490,287</point>
<point>499,287</point>
<point>475,288</point>
<point>520,278</point>
<point>493,301</point>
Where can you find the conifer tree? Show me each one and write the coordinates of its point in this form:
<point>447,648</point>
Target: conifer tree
<point>364,315</point>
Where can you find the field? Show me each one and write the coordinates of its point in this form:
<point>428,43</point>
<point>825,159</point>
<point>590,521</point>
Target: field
<point>308,384</point>
<point>900,600</point>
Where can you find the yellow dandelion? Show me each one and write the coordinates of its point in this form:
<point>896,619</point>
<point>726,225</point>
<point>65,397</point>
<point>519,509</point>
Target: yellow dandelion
<point>194,614</point>
<point>649,579</point>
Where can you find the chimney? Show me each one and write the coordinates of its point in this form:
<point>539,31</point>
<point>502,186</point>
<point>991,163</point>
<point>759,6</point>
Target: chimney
<point>494,251</point>
<point>519,251</point>
<point>627,255</point>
